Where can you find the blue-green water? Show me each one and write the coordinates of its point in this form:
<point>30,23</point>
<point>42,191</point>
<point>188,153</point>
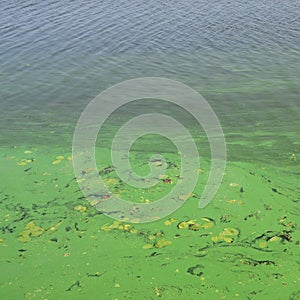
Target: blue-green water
<point>242,57</point>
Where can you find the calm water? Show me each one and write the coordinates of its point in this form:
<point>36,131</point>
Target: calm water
<point>243,57</point>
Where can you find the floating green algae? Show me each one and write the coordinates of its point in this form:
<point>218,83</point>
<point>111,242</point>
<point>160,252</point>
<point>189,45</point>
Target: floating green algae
<point>243,244</point>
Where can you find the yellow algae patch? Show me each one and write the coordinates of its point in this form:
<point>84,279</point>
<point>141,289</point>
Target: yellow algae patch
<point>58,160</point>
<point>188,224</point>
<point>94,202</point>
<point>27,152</point>
<point>143,200</point>
<point>133,230</point>
<point>170,221</point>
<point>206,219</point>
<point>183,225</point>
<point>115,225</point>
<point>126,227</point>
<point>208,225</point>
<point>231,231</point>
<point>151,237</point>
<point>233,201</point>
<point>147,246</point>
<point>1,241</point>
<point>105,228</point>
<point>263,244</point>
<point>25,237</point>
<point>215,238</point>
<point>52,228</point>
<point>111,181</point>
<point>191,222</point>
<point>159,233</point>
<point>69,158</point>
<point>274,239</point>
<point>24,162</point>
<point>31,230</point>
<point>226,235</point>
<point>162,243</point>
<point>157,292</point>
<point>34,229</point>
<point>228,239</point>
<point>80,208</point>
<point>286,222</point>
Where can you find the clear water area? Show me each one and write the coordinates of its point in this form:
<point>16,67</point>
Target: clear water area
<point>243,58</point>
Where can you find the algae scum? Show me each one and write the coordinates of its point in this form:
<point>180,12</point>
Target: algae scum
<point>56,245</point>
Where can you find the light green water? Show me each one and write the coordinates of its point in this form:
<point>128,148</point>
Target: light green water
<point>242,245</point>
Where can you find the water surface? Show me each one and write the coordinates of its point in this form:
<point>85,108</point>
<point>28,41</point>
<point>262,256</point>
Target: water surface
<point>242,57</point>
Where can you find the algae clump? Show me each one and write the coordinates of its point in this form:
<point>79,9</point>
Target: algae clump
<point>31,230</point>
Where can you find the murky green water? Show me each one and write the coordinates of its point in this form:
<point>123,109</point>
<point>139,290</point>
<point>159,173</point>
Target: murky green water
<point>243,58</point>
